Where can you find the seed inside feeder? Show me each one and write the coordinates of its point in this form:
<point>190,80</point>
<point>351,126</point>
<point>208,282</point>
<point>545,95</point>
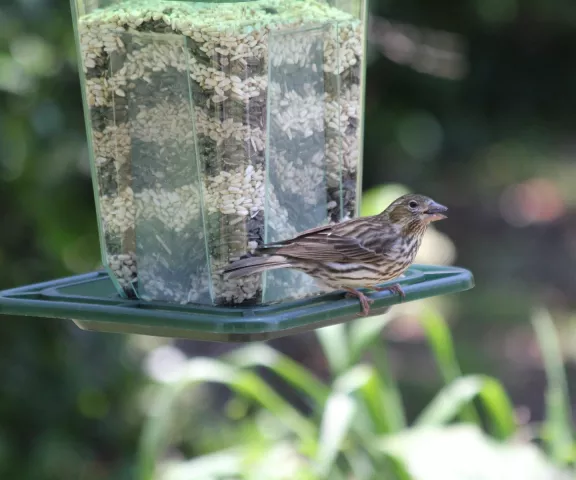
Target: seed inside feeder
<point>217,127</point>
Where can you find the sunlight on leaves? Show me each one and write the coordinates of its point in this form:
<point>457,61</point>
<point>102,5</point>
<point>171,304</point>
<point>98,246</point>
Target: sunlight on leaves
<point>455,396</point>
<point>465,452</point>
<point>336,422</point>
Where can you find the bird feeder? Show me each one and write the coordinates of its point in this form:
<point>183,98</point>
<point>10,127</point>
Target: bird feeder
<point>214,128</point>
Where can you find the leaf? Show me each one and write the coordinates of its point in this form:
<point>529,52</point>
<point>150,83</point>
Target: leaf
<point>363,332</point>
<point>396,467</point>
<point>461,451</point>
<point>251,385</point>
<point>440,341</point>
<point>558,436</point>
<point>223,464</point>
<point>381,407</point>
<point>391,397</point>
<point>334,343</point>
<point>292,372</point>
<point>363,382</point>
<point>499,409</point>
<point>453,398</point>
<point>360,464</point>
<point>156,435</point>
<point>336,422</point>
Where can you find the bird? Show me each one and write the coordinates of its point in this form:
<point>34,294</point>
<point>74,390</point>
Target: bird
<point>362,252</point>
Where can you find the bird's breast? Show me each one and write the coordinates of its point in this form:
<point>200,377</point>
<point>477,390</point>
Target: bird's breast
<point>405,249</point>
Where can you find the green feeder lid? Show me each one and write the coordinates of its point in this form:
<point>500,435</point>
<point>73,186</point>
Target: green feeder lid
<point>91,301</point>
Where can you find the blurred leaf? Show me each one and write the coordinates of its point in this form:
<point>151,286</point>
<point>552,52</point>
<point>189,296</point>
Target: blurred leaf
<point>361,461</point>
<point>499,409</point>
<point>391,397</point>
<point>440,341</point>
<point>155,436</point>
<point>396,467</point>
<point>156,431</point>
<point>386,416</point>
<point>334,344</point>
<point>557,435</point>
<point>251,461</point>
<point>453,398</point>
<point>449,402</point>
<point>363,332</point>
<point>464,452</point>
<point>278,461</point>
<point>286,368</point>
<point>251,385</point>
<point>224,464</point>
<point>353,379</point>
<point>336,422</point>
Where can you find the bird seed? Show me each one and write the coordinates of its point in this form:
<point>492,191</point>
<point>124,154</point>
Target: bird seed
<point>215,128</point>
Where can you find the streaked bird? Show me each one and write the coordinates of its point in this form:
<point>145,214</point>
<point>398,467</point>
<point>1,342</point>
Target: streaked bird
<point>359,253</point>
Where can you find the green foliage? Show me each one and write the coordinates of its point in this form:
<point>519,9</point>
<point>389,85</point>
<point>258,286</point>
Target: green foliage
<point>460,392</point>
<point>357,424</point>
<point>558,434</point>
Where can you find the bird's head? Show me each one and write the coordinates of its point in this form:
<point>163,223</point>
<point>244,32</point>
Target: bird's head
<point>414,210</point>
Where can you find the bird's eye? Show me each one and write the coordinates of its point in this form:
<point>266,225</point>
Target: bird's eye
<point>413,204</point>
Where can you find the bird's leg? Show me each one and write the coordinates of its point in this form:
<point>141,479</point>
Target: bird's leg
<point>393,288</point>
<point>364,300</point>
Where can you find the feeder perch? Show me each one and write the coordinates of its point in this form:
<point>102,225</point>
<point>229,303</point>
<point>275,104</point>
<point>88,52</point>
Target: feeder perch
<point>91,301</point>
<point>214,128</point>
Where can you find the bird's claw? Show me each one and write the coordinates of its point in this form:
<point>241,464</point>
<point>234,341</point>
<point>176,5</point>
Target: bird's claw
<point>364,301</point>
<point>393,288</point>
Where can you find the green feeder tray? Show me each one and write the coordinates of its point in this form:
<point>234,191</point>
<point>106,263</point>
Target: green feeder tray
<point>92,303</point>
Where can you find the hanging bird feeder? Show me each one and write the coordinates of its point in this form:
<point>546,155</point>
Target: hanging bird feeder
<point>215,128</point>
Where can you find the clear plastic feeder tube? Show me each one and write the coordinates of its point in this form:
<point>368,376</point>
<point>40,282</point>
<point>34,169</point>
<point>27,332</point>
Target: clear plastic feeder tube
<point>214,128</point>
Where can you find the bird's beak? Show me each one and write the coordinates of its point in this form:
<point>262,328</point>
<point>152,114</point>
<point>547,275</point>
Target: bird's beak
<point>435,212</point>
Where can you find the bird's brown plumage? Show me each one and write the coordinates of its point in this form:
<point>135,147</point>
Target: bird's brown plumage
<point>362,252</point>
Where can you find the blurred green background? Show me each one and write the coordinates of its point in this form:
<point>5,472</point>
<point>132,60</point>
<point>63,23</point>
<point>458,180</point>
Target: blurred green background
<point>471,102</point>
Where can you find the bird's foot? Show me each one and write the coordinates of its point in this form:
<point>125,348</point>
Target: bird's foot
<point>393,288</point>
<point>364,300</point>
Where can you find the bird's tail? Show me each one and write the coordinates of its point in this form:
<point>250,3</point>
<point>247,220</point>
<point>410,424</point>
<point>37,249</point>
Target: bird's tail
<point>249,266</point>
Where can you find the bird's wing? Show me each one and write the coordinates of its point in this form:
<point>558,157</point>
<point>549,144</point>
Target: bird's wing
<point>325,229</point>
<point>355,241</point>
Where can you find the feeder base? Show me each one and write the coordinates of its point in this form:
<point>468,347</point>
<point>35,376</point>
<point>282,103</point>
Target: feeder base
<point>92,303</point>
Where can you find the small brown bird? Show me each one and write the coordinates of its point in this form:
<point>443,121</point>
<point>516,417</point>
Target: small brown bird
<point>359,253</point>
